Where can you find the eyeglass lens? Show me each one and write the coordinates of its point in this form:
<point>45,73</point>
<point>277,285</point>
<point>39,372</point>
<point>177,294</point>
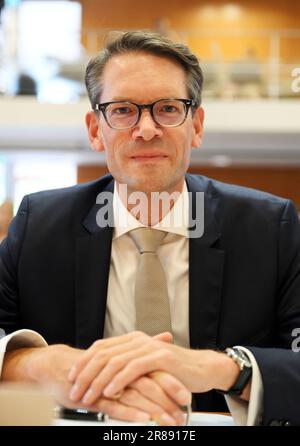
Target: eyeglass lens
<point>122,115</point>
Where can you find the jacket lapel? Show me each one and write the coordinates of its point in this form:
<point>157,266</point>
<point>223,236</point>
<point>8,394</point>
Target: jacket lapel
<point>93,251</point>
<point>205,271</point>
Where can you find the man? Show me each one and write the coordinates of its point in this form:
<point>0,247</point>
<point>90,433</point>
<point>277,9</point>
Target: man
<point>70,277</point>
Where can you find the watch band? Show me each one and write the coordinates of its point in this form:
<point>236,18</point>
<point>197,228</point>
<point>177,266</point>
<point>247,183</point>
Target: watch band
<point>242,360</point>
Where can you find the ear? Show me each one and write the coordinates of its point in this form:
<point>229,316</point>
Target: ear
<point>94,131</point>
<point>198,120</point>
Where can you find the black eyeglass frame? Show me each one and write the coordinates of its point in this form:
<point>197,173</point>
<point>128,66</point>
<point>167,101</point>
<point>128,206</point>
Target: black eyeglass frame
<point>187,103</point>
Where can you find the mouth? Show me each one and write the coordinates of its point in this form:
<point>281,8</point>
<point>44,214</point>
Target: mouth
<point>149,158</point>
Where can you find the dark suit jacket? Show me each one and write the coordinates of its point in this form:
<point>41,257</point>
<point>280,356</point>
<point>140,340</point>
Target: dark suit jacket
<point>244,282</point>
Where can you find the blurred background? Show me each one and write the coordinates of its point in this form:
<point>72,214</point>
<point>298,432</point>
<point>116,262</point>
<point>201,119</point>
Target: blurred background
<point>250,54</point>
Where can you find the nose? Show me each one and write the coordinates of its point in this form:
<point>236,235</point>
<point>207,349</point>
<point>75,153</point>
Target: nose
<point>146,128</point>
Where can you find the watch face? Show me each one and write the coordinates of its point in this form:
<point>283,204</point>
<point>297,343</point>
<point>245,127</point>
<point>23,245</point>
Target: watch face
<point>244,357</point>
<point>245,366</point>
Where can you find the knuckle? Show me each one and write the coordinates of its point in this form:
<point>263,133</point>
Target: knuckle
<point>173,387</point>
<point>145,384</point>
<point>130,395</point>
<point>134,366</point>
<point>100,358</point>
<point>78,367</point>
<point>138,334</point>
<point>82,381</point>
<point>97,343</point>
<point>108,407</point>
<point>166,354</point>
<point>60,348</point>
<point>101,405</point>
<point>154,344</point>
<point>94,387</point>
<point>156,375</point>
<point>113,362</point>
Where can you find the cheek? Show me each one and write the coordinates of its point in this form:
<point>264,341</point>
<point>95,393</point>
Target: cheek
<point>109,142</point>
<point>115,148</point>
<point>182,143</point>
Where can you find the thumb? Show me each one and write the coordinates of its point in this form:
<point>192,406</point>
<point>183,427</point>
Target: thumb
<point>165,337</point>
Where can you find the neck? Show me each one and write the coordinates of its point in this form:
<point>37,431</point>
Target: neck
<point>149,207</point>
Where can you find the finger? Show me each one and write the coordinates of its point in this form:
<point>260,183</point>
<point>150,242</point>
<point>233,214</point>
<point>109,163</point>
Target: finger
<point>132,398</point>
<point>86,377</point>
<point>81,362</point>
<point>165,337</point>
<point>92,379</point>
<point>154,392</point>
<point>161,360</point>
<point>120,411</point>
<point>172,387</point>
<point>140,365</point>
<point>102,344</point>
<point>115,364</point>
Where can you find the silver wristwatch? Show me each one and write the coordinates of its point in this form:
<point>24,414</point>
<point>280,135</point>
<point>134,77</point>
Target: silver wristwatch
<point>242,360</point>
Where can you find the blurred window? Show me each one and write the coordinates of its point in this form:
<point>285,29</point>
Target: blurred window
<point>33,176</point>
<point>49,29</point>
<point>40,37</point>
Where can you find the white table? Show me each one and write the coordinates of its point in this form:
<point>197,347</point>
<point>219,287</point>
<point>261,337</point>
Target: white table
<point>197,419</point>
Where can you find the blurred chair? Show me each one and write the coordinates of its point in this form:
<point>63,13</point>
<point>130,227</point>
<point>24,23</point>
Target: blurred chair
<point>26,85</point>
<point>247,75</point>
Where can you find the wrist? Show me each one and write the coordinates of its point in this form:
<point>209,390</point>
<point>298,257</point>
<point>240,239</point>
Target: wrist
<point>21,364</point>
<point>240,358</point>
<point>47,360</point>
<point>226,372</point>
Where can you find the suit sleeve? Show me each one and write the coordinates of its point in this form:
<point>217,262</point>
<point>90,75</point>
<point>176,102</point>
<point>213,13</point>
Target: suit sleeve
<point>280,366</point>
<point>10,252</point>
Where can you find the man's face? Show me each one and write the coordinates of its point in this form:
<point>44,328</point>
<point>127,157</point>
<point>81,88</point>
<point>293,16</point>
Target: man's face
<point>147,157</point>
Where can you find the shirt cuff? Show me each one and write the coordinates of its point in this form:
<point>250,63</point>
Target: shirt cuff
<point>20,339</point>
<point>248,413</point>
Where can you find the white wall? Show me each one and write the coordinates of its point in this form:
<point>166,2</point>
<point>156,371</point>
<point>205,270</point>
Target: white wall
<point>242,130</point>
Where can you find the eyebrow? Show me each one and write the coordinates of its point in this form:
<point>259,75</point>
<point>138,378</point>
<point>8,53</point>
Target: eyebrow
<point>122,99</point>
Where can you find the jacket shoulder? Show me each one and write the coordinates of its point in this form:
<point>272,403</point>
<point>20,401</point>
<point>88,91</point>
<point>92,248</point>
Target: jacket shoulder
<point>234,193</point>
<point>84,192</point>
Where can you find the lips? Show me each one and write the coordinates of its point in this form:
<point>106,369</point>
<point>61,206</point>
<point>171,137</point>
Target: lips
<point>149,159</point>
<point>149,156</point>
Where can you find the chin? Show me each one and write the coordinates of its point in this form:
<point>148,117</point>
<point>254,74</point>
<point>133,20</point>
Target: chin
<point>150,185</point>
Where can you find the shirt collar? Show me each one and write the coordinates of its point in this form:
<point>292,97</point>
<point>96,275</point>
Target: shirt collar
<point>175,221</point>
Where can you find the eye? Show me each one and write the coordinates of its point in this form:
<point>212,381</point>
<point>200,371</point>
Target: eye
<point>168,109</point>
<point>122,110</point>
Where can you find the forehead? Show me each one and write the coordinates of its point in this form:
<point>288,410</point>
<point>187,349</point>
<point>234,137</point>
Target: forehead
<point>142,77</point>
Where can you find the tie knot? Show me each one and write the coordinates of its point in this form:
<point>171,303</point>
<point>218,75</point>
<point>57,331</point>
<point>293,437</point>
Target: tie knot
<point>147,239</point>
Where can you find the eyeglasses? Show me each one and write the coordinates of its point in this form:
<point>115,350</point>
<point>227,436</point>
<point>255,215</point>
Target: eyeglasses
<point>123,115</point>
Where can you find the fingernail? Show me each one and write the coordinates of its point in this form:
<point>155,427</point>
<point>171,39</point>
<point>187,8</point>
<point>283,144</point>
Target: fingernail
<point>109,391</point>
<point>166,419</point>
<point>88,397</point>
<point>72,373</point>
<point>73,395</point>
<point>180,418</point>
<point>142,418</point>
<point>183,397</point>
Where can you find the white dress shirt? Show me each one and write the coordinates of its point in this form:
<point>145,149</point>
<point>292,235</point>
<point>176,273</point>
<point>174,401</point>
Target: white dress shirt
<point>174,256</point>
<point>120,310</point>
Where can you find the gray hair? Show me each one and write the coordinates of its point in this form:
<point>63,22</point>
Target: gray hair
<point>141,41</point>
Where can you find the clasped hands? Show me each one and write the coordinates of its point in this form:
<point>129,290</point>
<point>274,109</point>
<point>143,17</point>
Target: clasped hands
<point>139,377</point>
<point>133,377</point>
<point>155,395</point>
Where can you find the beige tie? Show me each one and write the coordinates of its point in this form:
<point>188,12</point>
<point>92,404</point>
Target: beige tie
<point>151,293</point>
